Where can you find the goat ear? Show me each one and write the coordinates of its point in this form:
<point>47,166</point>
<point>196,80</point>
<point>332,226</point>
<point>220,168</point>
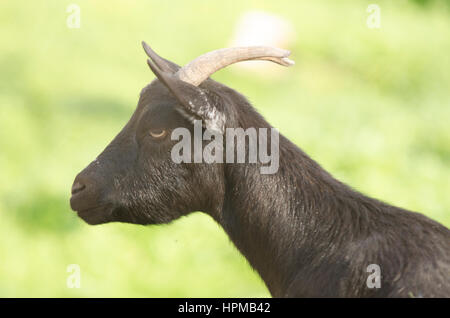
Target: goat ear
<point>162,63</point>
<point>196,103</point>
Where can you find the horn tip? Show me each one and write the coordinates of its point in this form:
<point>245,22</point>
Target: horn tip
<point>288,62</point>
<point>147,48</point>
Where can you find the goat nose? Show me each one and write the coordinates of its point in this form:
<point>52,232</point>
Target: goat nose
<point>77,187</point>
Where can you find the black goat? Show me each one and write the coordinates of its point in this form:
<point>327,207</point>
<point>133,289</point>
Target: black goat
<point>306,233</point>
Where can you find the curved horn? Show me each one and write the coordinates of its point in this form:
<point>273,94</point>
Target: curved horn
<point>205,65</point>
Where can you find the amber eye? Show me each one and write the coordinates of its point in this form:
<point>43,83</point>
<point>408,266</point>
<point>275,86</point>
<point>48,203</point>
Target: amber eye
<point>159,133</point>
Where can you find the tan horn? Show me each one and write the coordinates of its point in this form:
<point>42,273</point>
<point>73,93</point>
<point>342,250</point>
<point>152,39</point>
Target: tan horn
<point>207,64</point>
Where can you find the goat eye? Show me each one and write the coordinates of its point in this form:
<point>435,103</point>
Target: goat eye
<point>158,133</point>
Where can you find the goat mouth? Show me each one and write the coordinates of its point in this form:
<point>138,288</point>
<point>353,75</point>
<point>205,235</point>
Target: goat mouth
<point>96,215</point>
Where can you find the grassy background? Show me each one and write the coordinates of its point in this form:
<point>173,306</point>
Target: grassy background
<point>371,105</point>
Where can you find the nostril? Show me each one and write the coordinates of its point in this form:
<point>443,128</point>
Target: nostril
<point>77,187</point>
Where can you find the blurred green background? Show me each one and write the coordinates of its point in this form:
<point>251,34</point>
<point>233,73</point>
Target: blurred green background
<point>370,105</point>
